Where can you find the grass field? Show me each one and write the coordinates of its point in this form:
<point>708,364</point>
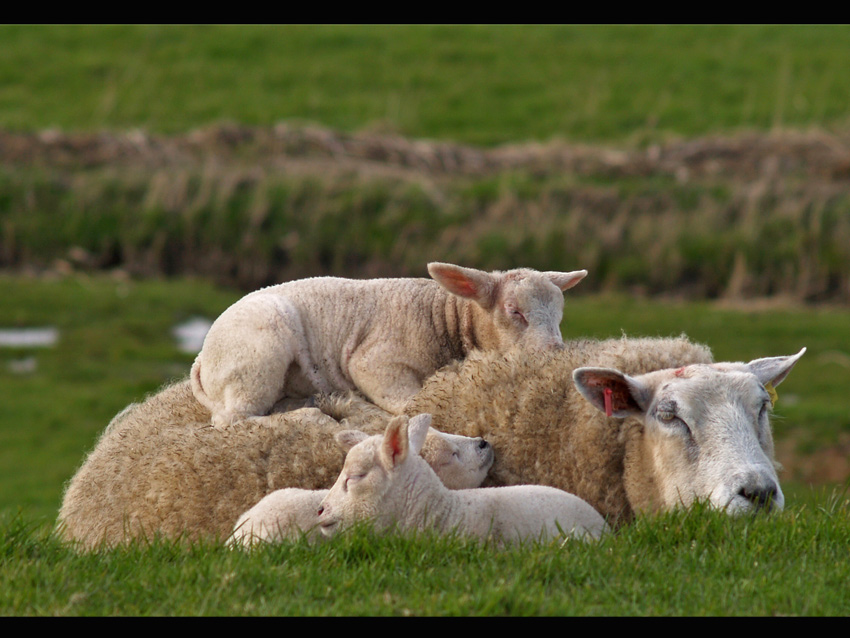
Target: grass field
<point>710,167</point>
<point>660,202</point>
<point>475,84</point>
<point>695,564</point>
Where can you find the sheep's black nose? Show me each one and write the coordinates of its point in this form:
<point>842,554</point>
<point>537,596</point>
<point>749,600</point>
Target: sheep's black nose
<point>483,444</point>
<point>761,496</point>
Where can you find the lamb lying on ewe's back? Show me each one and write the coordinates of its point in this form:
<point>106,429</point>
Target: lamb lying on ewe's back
<point>160,469</point>
<point>386,481</point>
<point>682,428</point>
<point>382,337</point>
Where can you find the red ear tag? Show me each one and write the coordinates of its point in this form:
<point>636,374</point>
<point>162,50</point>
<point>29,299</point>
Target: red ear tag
<point>608,408</point>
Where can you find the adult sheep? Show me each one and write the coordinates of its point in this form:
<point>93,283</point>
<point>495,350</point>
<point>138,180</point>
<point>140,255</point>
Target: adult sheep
<point>160,469</point>
<point>682,428</point>
<point>382,337</point>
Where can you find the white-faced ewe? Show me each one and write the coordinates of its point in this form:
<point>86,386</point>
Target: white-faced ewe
<point>386,482</point>
<point>159,468</point>
<point>382,337</point>
<point>682,428</point>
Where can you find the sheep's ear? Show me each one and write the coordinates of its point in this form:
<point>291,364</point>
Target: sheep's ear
<point>565,280</point>
<point>468,283</point>
<point>611,391</point>
<point>396,445</point>
<point>347,439</point>
<point>417,431</point>
<point>773,370</point>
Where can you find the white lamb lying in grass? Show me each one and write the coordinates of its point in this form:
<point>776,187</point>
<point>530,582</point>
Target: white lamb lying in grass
<point>382,337</point>
<point>285,514</point>
<point>289,513</point>
<point>386,481</point>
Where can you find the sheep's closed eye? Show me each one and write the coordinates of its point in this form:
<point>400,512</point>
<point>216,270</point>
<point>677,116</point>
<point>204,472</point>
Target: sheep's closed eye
<point>516,314</point>
<point>352,479</point>
<point>666,414</point>
<point>673,422</point>
<point>447,458</point>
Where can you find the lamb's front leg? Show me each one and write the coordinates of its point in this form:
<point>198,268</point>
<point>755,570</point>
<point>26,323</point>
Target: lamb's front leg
<point>389,386</point>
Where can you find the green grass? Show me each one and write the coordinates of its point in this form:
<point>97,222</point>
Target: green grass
<point>685,563</point>
<point>484,84</point>
<point>115,346</point>
<point>744,230</point>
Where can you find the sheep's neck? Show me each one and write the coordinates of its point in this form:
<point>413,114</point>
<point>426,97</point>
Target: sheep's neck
<point>427,503</point>
<point>466,325</point>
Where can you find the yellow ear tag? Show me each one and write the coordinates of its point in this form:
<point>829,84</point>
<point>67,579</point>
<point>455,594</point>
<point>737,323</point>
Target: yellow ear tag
<point>771,391</point>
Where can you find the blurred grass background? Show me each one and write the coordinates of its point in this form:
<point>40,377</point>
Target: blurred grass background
<point>151,173</point>
<point>477,84</point>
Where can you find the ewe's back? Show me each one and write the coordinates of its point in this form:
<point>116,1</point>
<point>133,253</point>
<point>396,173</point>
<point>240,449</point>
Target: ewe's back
<point>159,468</point>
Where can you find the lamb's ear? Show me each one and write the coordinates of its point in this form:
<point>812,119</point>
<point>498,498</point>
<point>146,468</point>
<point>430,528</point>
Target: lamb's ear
<point>347,439</point>
<point>417,431</point>
<point>773,370</point>
<point>396,445</point>
<point>625,395</point>
<point>469,283</point>
<point>565,280</point>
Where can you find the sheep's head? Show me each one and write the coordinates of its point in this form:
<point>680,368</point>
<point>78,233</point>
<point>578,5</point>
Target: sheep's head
<point>461,462</point>
<point>525,306</point>
<point>706,429</point>
<point>377,468</point>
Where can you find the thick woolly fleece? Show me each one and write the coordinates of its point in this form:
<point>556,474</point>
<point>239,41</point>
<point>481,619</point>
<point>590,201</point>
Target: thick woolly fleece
<point>541,428</point>
<point>159,468</point>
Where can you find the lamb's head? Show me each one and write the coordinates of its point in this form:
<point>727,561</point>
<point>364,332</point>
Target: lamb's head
<point>525,306</point>
<point>706,432</point>
<point>461,462</point>
<point>376,479</point>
